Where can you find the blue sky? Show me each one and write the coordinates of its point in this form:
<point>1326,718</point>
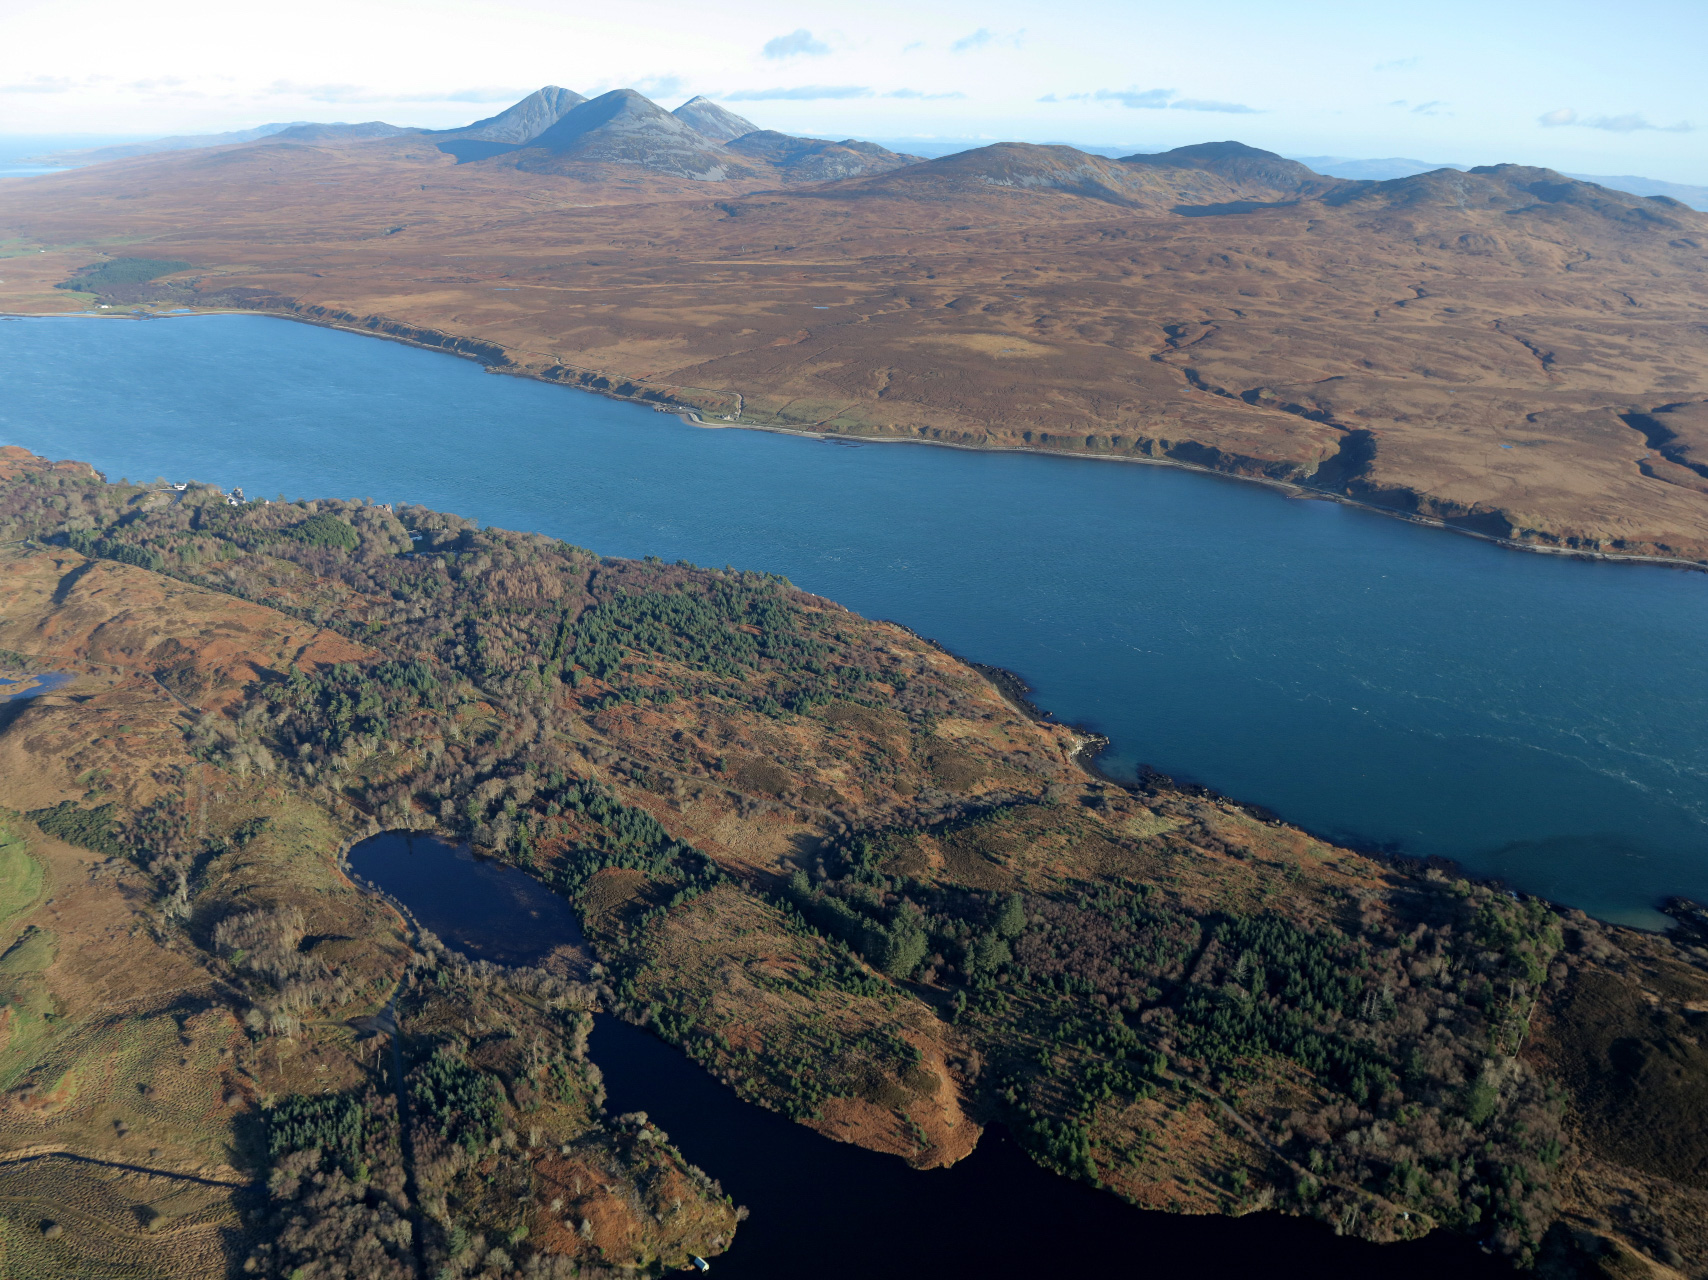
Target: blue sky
<point>1585,87</point>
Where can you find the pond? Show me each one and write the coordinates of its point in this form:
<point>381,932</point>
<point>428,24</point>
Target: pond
<point>485,909</point>
<point>838,1212</point>
<point>22,688</point>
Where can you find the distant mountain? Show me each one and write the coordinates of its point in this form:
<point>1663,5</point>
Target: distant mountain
<point>521,121</point>
<point>1258,172</point>
<point>515,126</point>
<point>184,142</point>
<point>1522,192</point>
<point>1695,197</point>
<point>1218,179</point>
<point>338,132</point>
<point>717,123</point>
<point>1400,167</point>
<point>936,148</point>
<point>817,160</point>
<point>1372,170</point>
<point>623,127</point>
<point>1026,166</point>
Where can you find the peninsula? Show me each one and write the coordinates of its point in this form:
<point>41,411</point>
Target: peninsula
<point>832,863</point>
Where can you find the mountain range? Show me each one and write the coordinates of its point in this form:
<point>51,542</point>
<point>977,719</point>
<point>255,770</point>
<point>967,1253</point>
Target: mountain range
<point>1505,349</point>
<point>1402,167</point>
<point>812,159</point>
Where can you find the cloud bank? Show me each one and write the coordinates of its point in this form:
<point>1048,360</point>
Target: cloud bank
<point>796,44</point>
<point>1155,100</point>
<point>1631,122</point>
<point>801,93</point>
<point>357,94</point>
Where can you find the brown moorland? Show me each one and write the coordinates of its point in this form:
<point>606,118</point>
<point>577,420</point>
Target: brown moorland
<point>828,860</point>
<point>1507,350</point>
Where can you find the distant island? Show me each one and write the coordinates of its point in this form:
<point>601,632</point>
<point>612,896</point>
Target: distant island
<point>1507,351</point>
<point>837,866</point>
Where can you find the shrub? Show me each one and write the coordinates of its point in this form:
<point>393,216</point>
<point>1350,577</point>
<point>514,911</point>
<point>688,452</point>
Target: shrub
<point>86,828</point>
<point>103,275</point>
<point>327,530</point>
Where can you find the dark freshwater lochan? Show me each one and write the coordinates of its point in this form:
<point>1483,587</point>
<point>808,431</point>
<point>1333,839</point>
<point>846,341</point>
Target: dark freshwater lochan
<point>831,1211</point>
<point>1534,717</point>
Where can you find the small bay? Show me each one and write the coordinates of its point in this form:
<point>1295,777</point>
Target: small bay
<point>1533,717</point>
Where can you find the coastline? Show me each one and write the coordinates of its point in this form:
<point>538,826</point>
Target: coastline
<point>691,416</point>
<point>1090,744</point>
<point>1687,916</point>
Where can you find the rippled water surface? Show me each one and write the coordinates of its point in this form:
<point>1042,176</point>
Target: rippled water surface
<point>1535,717</point>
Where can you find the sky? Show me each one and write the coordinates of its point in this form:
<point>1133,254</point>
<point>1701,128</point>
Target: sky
<point>1588,87</point>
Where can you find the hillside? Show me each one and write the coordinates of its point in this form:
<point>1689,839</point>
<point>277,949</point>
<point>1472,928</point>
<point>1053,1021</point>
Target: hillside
<point>828,860</point>
<point>1257,172</point>
<point>1475,348</point>
<point>816,160</point>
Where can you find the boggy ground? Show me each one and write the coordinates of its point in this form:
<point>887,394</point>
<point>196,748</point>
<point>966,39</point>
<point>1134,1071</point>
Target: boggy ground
<point>826,859</point>
<point>1509,351</point>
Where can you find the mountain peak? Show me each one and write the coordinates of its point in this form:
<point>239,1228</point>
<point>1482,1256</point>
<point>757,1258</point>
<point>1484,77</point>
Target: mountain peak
<point>1247,165</point>
<point>626,127</point>
<point>717,123</point>
<point>521,121</point>
<point>1229,150</point>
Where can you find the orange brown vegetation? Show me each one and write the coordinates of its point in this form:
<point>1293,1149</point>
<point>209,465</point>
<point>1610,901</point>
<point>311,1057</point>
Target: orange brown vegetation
<point>828,860</point>
<point>1510,351</point>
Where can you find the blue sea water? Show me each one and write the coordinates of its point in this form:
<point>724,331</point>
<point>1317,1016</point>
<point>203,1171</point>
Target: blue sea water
<point>1534,717</point>
<point>16,151</point>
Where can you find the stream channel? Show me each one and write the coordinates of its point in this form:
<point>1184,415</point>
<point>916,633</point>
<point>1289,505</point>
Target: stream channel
<point>831,1211</point>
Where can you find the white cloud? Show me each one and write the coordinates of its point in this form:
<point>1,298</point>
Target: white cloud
<point>322,92</point>
<point>1399,64</point>
<point>659,86</point>
<point>41,84</point>
<point>357,94</point>
<point>985,38</point>
<point>920,95</point>
<point>794,45</point>
<point>1201,104</point>
<point>1155,100</point>
<point>1631,122</point>
<point>479,95</point>
<point>802,93</point>
<point>1138,99</point>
